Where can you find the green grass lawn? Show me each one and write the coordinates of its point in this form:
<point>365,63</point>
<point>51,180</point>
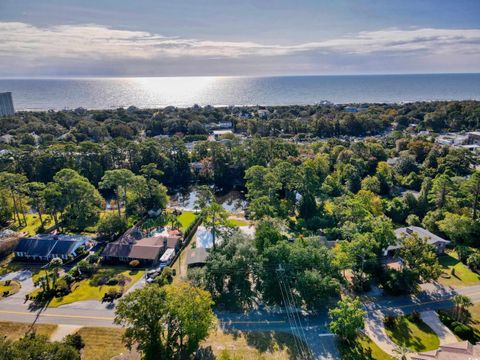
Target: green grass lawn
<point>251,345</point>
<point>33,223</point>
<point>363,348</point>
<point>101,343</point>
<point>12,288</point>
<point>14,330</point>
<point>185,219</point>
<point>84,290</point>
<point>8,265</point>
<point>455,273</point>
<point>412,333</point>
<point>238,222</point>
<point>475,317</point>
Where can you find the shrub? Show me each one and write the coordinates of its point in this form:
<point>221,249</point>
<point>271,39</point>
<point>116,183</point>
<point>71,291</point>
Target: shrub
<point>75,341</point>
<point>93,259</point>
<point>61,288</point>
<point>112,226</point>
<point>134,263</point>
<point>389,320</point>
<point>112,281</point>
<point>463,331</point>
<point>415,316</point>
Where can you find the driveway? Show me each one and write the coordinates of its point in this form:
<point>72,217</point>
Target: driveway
<point>375,329</point>
<point>433,321</point>
<point>24,277</point>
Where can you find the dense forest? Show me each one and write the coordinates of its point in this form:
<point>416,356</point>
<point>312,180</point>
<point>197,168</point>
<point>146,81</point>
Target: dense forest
<point>305,176</point>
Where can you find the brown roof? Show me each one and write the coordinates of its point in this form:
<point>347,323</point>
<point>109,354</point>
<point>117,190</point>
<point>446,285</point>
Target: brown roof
<point>145,252</point>
<point>458,351</point>
<point>116,250</point>
<point>197,256</point>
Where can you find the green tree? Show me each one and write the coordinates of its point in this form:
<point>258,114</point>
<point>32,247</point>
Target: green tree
<point>347,318</point>
<point>120,180</point>
<point>306,266</point>
<point>36,347</point>
<point>81,200</point>
<point>15,184</point>
<point>231,271</point>
<point>267,233</point>
<point>419,258</point>
<point>440,193</point>
<point>215,217</point>
<point>6,207</point>
<point>473,193</point>
<point>165,322</point>
<point>473,260</point>
<point>458,228</point>
<point>36,191</point>
<point>462,303</point>
<point>54,201</point>
<point>112,226</point>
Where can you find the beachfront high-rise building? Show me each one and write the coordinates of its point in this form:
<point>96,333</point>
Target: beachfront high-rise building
<point>6,104</point>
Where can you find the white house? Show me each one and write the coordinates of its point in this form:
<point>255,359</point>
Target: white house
<point>436,241</point>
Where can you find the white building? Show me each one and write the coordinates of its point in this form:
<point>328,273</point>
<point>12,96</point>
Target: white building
<point>436,241</point>
<point>6,104</point>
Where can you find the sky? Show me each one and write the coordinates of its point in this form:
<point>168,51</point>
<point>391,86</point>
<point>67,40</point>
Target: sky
<point>234,38</point>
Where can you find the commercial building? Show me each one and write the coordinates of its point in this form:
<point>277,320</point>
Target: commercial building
<point>6,104</point>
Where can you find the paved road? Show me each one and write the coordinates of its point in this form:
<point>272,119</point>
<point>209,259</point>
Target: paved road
<point>315,330</point>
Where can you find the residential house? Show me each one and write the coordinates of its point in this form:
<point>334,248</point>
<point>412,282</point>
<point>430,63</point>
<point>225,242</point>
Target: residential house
<point>45,247</point>
<point>436,241</point>
<point>463,350</point>
<point>220,133</point>
<point>196,257</point>
<point>134,245</point>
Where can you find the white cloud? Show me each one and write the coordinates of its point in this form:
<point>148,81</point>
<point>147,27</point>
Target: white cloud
<point>27,46</point>
<point>95,41</point>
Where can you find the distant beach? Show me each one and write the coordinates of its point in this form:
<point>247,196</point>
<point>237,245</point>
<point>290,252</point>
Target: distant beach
<point>108,93</point>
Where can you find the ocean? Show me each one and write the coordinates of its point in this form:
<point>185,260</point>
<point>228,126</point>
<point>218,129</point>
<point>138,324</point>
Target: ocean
<point>108,93</point>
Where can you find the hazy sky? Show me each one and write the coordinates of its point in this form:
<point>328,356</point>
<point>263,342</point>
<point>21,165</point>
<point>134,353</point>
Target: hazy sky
<point>228,37</point>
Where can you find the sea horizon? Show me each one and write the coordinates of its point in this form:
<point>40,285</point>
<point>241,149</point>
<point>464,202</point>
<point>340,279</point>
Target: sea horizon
<point>97,93</point>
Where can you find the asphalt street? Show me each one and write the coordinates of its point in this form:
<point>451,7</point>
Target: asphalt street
<point>312,328</point>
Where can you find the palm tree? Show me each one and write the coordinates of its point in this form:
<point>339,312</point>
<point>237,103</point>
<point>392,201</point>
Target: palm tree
<point>401,352</point>
<point>462,302</point>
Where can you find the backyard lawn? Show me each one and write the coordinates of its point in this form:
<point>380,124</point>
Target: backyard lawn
<point>33,223</point>
<point>412,333</point>
<point>101,343</point>
<point>455,273</point>
<point>14,330</point>
<point>86,289</point>
<point>185,219</point>
<point>238,222</point>
<point>363,348</point>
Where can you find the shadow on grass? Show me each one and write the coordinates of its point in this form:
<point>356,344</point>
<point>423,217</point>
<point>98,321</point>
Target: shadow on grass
<point>354,351</point>
<point>401,333</point>
<point>274,341</point>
